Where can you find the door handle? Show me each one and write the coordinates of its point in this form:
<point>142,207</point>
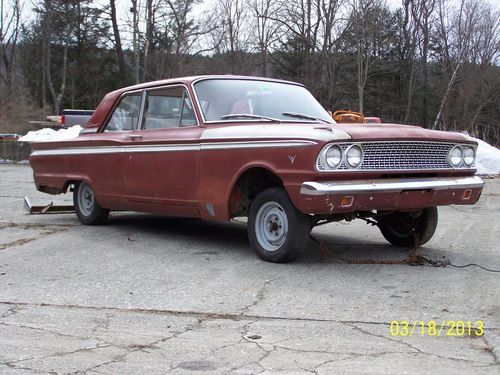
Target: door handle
<point>135,136</point>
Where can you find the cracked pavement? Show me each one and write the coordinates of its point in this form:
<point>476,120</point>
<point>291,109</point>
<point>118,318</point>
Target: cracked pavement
<point>150,294</point>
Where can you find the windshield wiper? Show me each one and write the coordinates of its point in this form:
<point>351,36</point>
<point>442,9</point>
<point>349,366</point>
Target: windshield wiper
<point>305,117</point>
<point>249,115</point>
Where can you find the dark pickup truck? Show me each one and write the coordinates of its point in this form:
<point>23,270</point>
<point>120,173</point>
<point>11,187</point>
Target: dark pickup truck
<point>71,117</point>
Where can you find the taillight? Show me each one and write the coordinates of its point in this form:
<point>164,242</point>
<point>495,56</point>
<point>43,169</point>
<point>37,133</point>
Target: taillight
<point>63,119</point>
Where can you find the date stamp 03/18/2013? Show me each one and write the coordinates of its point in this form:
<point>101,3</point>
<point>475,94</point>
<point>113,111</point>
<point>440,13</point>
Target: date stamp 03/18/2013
<point>433,328</point>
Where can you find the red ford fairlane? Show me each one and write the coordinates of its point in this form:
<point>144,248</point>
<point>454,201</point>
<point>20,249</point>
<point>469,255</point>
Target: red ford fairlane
<point>219,147</point>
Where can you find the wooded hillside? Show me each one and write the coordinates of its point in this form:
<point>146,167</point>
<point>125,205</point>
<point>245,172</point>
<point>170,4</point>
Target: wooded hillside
<point>433,63</point>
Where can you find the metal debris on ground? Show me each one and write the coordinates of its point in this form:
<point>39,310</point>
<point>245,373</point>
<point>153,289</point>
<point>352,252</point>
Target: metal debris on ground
<point>49,208</point>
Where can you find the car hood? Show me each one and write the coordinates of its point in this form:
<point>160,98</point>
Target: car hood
<point>334,132</point>
<point>372,132</point>
<point>316,132</point>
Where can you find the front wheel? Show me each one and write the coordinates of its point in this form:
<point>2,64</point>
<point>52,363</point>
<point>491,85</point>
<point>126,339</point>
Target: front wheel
<point>407,229</point>
<point>277,231</point>
<point>86,207</point>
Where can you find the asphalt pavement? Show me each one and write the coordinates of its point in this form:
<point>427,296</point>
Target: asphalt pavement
<point>156,295</point>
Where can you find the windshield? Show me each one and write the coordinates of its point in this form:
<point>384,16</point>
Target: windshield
<point>253,100</point>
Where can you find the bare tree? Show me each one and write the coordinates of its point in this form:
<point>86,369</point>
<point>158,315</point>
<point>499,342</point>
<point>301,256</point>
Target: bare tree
<point>118,43</point>
<point>332,28</point>
<point>183,28</point>
<point>149,43</point>
<point>301,22</point>
<point>311,33</point>
<point>445,96</point>
<point>410,39</point>
<point>10,25</point>
<point>450,56</point>
<point>423,14</point>
<point>268,31</point>
<point>136,35</point>
<point>367,23</point>
<point>67,13</point>
<point>479,42</point>
<point>233,33</point>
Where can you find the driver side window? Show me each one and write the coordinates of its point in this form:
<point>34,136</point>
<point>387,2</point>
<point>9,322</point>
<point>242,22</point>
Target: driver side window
<point>168,107</point>
<point>126,114</point>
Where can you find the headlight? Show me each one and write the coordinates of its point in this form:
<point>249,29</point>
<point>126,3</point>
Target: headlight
<point>469,155</point>
<point>455,156</point>
<point>354,156</point>
<point>333,156</point>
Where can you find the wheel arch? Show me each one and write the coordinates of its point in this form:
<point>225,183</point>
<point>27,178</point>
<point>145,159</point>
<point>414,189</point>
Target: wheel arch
<point>247,185</point>
<point>74,180</point>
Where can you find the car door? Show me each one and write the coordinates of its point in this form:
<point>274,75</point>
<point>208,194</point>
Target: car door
<point>163,156</point>
<point>106,160</point>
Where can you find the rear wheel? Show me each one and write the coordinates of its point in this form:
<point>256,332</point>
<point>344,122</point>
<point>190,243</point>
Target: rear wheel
<point>86,207</point>
<point>277,231</point>
<point>409,228</point>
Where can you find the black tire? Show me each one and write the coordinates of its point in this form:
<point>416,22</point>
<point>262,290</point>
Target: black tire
<point>404,228</point>
<point>87,209</point>
<point>277,231</point>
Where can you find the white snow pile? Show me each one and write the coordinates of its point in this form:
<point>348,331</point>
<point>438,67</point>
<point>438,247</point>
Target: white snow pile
<point>487,159</point>
<point>49,135</point>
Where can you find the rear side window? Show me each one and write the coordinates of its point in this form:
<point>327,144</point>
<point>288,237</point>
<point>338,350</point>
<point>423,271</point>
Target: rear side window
<point>168,108</point>
<point>126,114</point>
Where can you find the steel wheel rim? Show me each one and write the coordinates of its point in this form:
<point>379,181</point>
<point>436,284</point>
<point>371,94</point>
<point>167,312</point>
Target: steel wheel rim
<point>86,199</point>
<point>271,226</point>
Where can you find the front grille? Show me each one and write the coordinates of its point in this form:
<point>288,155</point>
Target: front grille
<point>405,155</point>
<point>409,155</point>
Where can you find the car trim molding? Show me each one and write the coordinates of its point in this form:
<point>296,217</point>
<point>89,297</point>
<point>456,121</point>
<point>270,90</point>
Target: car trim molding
<point>254,144</point>
<point>171,147</point>
<point>389,185</point>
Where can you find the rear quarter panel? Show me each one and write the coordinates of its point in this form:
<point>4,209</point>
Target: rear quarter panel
<point>53,173</point>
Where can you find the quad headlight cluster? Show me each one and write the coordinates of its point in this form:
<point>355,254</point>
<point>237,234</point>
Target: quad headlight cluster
<point>462,156</point>
<point>332,156</point>
<point>399,155</point>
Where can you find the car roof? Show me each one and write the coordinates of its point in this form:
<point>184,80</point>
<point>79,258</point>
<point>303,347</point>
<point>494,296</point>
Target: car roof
<point>191,79</point>
<point>109,99</point>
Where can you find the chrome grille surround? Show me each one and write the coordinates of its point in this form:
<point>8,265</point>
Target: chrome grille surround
<point>398,155</point>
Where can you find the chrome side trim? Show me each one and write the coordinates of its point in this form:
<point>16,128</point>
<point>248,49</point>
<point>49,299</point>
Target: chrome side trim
<point>256,144</point>
<point>114,150</point>
<point>171,147</point>
<point>389,185</point>
<point>78,151</point>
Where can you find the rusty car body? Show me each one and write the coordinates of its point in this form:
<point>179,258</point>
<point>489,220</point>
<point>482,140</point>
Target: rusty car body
<point>219,147</point>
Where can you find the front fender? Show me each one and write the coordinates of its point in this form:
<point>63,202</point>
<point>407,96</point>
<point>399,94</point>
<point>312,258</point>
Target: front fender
<point>220,171</point>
